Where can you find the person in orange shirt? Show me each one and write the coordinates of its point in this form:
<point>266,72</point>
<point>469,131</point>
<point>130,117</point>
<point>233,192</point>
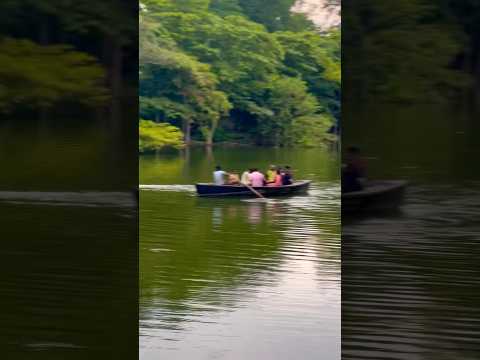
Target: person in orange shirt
<point>278,179</point>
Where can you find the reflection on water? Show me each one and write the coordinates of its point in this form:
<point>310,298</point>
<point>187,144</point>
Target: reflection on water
<point>255,212</point>
<point>66,260</point>
<point>416,293</point>
<point>69,249</point>
<point>231,279</point>
<point>411,279</point>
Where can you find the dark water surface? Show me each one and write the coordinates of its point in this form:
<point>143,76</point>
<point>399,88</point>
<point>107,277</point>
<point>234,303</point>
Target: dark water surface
<point>231,279</point>
<point>68,257</point>
<point>411,279</point>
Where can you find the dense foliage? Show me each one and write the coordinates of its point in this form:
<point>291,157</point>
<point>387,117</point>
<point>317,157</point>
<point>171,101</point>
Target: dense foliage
<point>238,70</point>
<point>34,82</point>
<point>55,55</point>
<point>409,52</point>
<point>152,136</point>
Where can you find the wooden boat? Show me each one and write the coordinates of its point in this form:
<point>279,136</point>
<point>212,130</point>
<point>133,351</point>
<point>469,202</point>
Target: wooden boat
<point>207,189</point>
<point>377,196</point>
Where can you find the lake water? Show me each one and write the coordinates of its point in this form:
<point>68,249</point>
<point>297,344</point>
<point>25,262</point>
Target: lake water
<point>232,279</point>
<point>411,279</point>
<point>69,243</point>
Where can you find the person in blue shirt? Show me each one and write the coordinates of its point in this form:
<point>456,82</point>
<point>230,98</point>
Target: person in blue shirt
<point>287,177</point>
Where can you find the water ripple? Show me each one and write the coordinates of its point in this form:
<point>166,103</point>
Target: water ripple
<point>76,199</point>
<point>410,284</point>
<point>230,264</point>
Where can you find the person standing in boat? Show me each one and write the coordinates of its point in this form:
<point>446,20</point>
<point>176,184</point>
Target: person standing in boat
<point>219,176</point>
<point>354,171</point>
<point>256,178</point>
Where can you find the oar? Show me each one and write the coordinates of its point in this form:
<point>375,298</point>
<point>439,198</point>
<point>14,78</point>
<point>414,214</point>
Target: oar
<point>255,191</point>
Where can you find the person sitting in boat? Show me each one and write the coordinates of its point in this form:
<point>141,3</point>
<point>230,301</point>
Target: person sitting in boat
<point>353,173</point>
<point>233,179</point>
<point>271,174</point>
<point>219,176</point>
<point>287,177</point>
<point>245,179</point>
<point>256,178</point>
<point>278,179</point>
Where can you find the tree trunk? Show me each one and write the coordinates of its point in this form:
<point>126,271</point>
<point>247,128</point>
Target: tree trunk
<point>209,154</point>
<point>209,138</point>
<point>210,132</point>
<point>187,129</point>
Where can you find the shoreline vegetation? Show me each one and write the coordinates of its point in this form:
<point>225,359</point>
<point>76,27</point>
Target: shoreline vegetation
<point>331,142</point>
<point>235,72</point>
<point>163,137</point>
<point>328,143</point>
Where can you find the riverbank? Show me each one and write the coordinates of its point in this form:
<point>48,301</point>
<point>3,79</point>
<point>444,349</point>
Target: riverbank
<point>327,143</point>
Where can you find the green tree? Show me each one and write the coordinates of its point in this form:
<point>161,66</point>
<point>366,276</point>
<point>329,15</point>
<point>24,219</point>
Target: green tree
<point>467,14</point>
<point>275,15</point>
<point>294,116</point>
<point>173,80</point>
<point>226,7</point>
<point>316,59</point>
<point>153,137</point>
<point>56,23</point>
<point>237,49</point>
<point>154,6</point>
<point>379,33</point>
<point>204,67</point>
<point>35,82</point>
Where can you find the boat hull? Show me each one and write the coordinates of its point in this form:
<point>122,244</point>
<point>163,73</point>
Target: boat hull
<point>377,196</point>
<point>212,190</point>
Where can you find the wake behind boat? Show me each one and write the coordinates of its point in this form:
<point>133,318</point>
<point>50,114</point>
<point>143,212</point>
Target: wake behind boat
<point>209,189</point>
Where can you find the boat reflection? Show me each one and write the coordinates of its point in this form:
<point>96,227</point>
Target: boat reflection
<point>253,213</point>
<point>217,218</point>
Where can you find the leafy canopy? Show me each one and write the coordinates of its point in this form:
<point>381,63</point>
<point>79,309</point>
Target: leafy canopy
<point>206,65</point>
<point>42,76</point>
<point>154,136</point>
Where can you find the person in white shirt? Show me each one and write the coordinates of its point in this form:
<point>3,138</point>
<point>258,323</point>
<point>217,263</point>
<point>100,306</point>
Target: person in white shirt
<point>219,176</point>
